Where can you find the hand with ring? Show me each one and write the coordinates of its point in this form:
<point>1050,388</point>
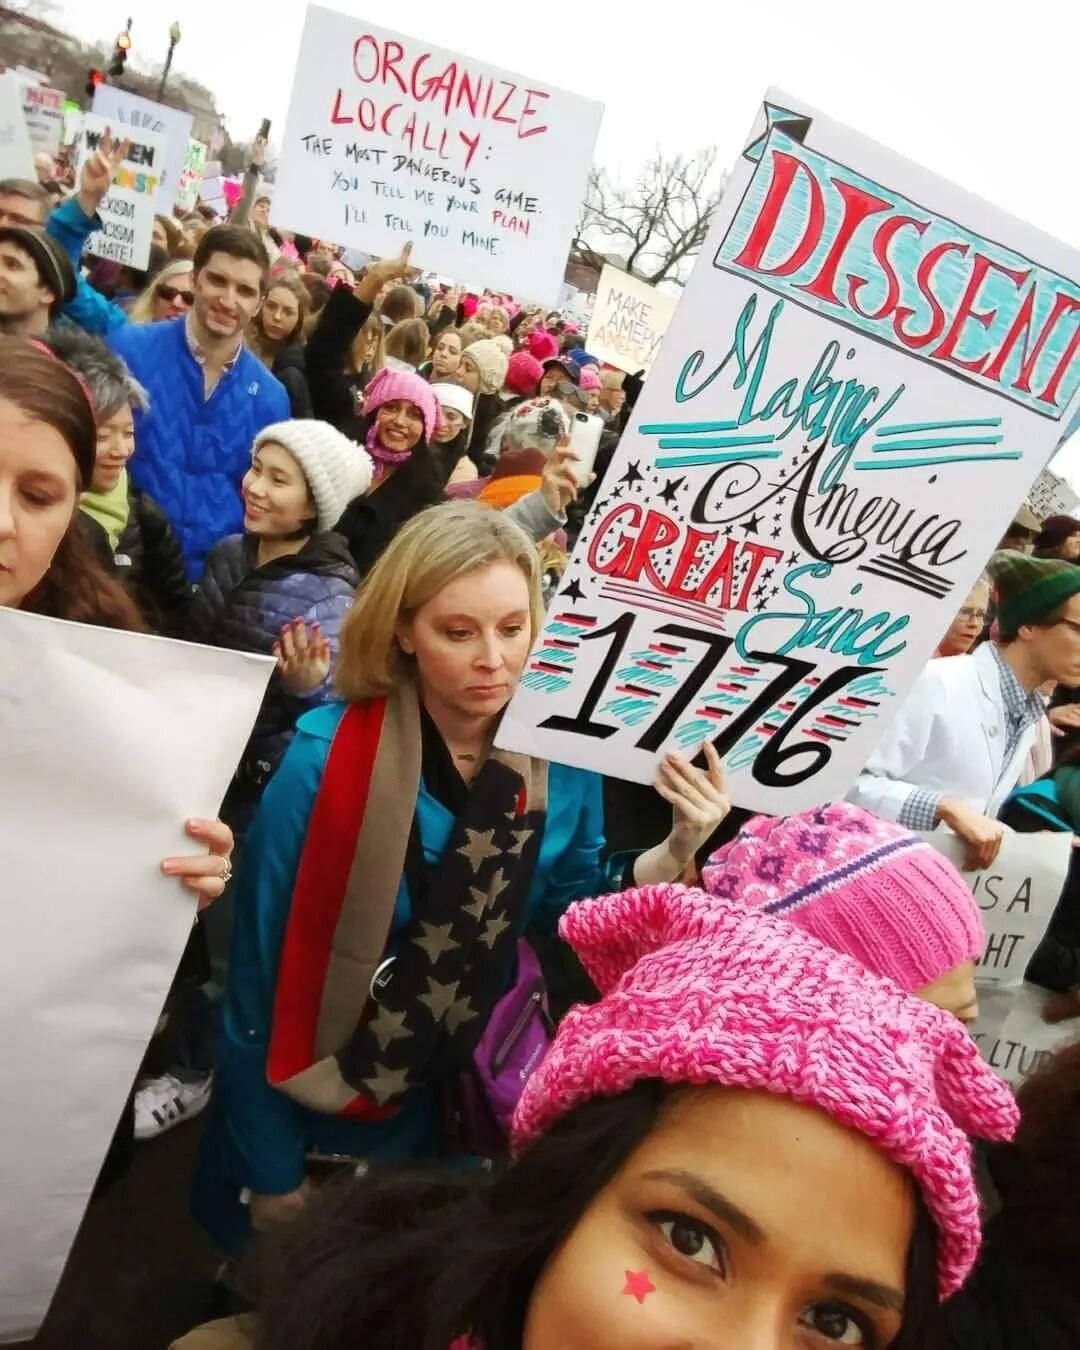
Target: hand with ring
<point>207,874</point>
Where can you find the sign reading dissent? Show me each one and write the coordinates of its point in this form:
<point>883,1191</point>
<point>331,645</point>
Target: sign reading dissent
<point>864,374</point>
<point>389,139</point>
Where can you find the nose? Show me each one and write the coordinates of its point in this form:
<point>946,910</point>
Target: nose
<point>490,656</point>
<point>7,512</point>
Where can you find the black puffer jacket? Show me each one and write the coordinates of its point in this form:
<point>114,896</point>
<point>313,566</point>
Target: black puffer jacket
<point>148,560</point>
<point>291,369</point>
<point>243,607</point>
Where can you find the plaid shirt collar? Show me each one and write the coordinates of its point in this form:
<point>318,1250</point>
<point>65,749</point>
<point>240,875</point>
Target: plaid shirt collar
<point>197,351</point>
<point>1022,710</point>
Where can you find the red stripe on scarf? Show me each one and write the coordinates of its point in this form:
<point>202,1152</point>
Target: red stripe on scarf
<point>319,892</point>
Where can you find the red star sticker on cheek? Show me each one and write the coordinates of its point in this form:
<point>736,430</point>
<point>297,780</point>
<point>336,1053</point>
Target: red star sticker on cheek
<point>638,1285</point>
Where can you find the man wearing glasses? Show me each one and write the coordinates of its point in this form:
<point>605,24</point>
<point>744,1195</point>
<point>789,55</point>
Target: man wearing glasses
<point>957,746</point>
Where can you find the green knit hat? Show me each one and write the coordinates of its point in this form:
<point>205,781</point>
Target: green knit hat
<point>1028,588</point>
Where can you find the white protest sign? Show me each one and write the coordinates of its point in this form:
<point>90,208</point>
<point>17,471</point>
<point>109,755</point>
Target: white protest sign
<point>834,436</point>
<point>191,176</point>
<point>43,109</point>
<point>1050,495</point>
<point>127,213</point>
<point>212,188</point>
<point>629,319</point>
<point>136,116</point>
<point>1011,1034</point>
<point>390,139</point>
<point>109,741</point>
<point>16,151</point>
<point>1017,896</point>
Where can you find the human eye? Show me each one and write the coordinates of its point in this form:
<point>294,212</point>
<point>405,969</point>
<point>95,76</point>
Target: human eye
<point>838,1324</point>
<point>512,629</point>
<point>459,634</point>
<point>40,498</point>
<point>692,1239</point>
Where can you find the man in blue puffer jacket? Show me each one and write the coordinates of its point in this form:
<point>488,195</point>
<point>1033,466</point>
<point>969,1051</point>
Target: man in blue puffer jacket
<point>209,396</point>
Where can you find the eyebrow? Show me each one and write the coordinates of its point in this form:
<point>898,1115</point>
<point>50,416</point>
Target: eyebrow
<point>881,1294</point>
<point>699,1190</point>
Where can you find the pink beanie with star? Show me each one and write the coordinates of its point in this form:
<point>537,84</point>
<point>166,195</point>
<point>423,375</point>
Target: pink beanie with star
<point>860,884</point>
<point>700,989</point>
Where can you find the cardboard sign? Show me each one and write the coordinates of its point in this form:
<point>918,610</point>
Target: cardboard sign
<point>127,212</point>
<point>191,176</point>
<point>1011,1034</point>
<point>212,188</point>
<point>139,117</point>
<point>1050,495</point>
<point>16,151</point>
<point>629,320</point>
<point>836,432</point>
<point>109,741</point>
<point>43,109</point>
<point>389,139</point>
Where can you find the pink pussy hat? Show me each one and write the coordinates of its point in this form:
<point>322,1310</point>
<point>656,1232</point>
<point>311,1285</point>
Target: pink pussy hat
<point>699,989</point>
<point>859,884</point>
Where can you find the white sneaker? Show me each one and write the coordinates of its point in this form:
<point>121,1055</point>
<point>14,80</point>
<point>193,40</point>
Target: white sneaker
<point>161,1103</point>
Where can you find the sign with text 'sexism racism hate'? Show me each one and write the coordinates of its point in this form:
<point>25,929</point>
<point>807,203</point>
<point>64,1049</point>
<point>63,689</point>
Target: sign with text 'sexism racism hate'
<point>866,371</point>
<point>389,139</point>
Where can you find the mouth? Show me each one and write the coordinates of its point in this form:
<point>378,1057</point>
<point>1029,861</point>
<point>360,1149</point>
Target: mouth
<point>252,511</point>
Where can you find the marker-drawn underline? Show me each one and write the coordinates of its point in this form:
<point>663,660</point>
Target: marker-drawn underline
<point>678,428</point>
<point>930,460</point>
<point>716,457</point>
<point>712,443</point>
<point>936,443</point>
<point>907,428</point>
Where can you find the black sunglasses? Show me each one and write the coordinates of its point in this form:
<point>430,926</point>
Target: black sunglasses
<point>171,293</point>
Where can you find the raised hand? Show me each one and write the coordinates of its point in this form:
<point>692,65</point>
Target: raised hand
<point>303,657</point>
<point>99,171</point>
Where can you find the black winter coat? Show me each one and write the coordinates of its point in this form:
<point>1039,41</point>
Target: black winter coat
<point>148,560</point>
<point>290,366</point>
<point>243,607</point>
<point>335,393</point>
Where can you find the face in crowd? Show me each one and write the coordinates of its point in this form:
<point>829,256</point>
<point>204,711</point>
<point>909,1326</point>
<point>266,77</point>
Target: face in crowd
<point>277,500</point>
<point>115,446</point>
<point>22,294</point>
<point>1054,647</point>
<point>280,313</point>
<point>260,214</point>
<point>228,293</point>
<point>450,427</point>
<point>400,425</point>
<point>39,492</point>
<point>446,356</point>
<point>175,295</point>
<point>967,627</point>
<point>16,209</point>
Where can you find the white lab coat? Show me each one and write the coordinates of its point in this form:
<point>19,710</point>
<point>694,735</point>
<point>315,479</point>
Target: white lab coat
<point>949,736</point>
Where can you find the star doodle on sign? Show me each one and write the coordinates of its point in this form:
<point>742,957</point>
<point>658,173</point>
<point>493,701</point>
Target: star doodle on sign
<point>616,492</point>
<point>777,533</point>
<point>632,475</point>
<point>436,941</point>
<point>638,1285</point>
<point>752,525</point>
<point>671,489</point>
<point>439,997</point>
<point>573,591</point>
<point>388,1026</point>
<point>479,848</point>
<point>459,1014</point>
<point>776,518</point>
<point>387,1084</point>
<point>728,529</point>
<point>493,930</point>
<point>760,604</point>
<point>793,561</point>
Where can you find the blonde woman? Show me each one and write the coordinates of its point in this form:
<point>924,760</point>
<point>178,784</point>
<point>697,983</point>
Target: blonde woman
<point>407,344</point>
<point>168,296</point>
<point>395,863</point>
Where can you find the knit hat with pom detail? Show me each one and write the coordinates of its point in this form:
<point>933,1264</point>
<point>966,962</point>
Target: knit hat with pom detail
<point>336,469</point>
<point>700,990</point>
<point>859,884</point>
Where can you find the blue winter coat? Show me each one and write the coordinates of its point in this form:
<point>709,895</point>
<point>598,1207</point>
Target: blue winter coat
<point>71,227</point>
<point>257,1136</point>
<point>192,451</point>
<point>243,607</point>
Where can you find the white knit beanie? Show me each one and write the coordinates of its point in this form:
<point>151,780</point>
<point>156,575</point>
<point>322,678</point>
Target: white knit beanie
<point>336,469</point>
<point>491,361</point>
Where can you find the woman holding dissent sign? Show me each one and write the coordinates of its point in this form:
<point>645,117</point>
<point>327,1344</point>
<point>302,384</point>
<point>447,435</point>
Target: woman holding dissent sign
<point>382,1001</point>
<point>749,1141</point>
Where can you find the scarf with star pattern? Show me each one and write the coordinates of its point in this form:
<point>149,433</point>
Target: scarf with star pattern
<point>353,1032</point>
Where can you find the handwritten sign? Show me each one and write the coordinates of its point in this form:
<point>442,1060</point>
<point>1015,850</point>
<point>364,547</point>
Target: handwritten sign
<point>127,213</point>
<point>43,109</point>
<point>137,117</point>
<point>191,176</point>
<point>864,374</point>
<point>629,319</point>
<point>1011,1034</point>
<point>1050,495</point>
<point>212,188</point>
<point>389,139</point>
<point>16,151</point>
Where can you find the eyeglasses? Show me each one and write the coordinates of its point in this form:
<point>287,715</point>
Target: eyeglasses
<point>978,615</point>
<point>171,293</point>
<point>1074,624</point>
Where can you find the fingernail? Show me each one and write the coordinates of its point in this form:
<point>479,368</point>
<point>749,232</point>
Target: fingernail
<point>168,867</point>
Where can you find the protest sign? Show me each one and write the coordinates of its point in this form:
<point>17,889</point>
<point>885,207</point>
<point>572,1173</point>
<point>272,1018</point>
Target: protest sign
<point>191,176</point>
<point>1050,495</point>
<point>1011,1034</point>
<point>43,109</point>
<point>109,741</point>
<point>835,435</point>
<point>73,116</point>
<point>212,188</point>
<point>127,213</point>
<point>16,152</point>
<point>1017,896</point>
<point>390,139</point>
<point>628,321</point>
<point>135,116</point>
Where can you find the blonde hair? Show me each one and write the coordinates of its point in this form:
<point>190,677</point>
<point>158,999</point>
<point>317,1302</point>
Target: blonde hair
<point>142,311</point>
<point>372,331</point>
<point>408,341</point>
<point>433,549</point>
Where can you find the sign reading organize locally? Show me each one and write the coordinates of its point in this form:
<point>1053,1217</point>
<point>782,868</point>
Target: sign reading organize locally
<point>389,139</point>
<point>191,176</point>
<point>865,372</point>
<point>43,109</point>
<point>16,152</point>
<point>134,116</point>
<point>127,213</point>
<point>629,319</point>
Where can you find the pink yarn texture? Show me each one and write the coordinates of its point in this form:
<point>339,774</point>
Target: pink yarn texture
<point>698,989</point>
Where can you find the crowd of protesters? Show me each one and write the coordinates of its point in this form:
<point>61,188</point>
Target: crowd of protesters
<point>756,1126</point>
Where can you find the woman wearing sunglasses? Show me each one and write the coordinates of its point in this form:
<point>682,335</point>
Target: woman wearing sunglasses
<point>169,295</point>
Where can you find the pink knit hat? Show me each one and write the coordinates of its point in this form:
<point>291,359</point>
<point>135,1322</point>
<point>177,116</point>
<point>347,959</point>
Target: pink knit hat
<point>523,373</point>
<point>698,989</point>
<point>543,345</point>
<point>590,379</point>
<point>859,884</point>
<point>389,385</point>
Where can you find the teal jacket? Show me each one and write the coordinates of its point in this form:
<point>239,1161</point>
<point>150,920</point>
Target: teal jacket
<point>256,1136</point>
<point>71,227</point>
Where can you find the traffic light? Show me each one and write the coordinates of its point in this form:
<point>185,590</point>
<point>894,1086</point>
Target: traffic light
<point>120,55</point>
<point>93,79</point>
